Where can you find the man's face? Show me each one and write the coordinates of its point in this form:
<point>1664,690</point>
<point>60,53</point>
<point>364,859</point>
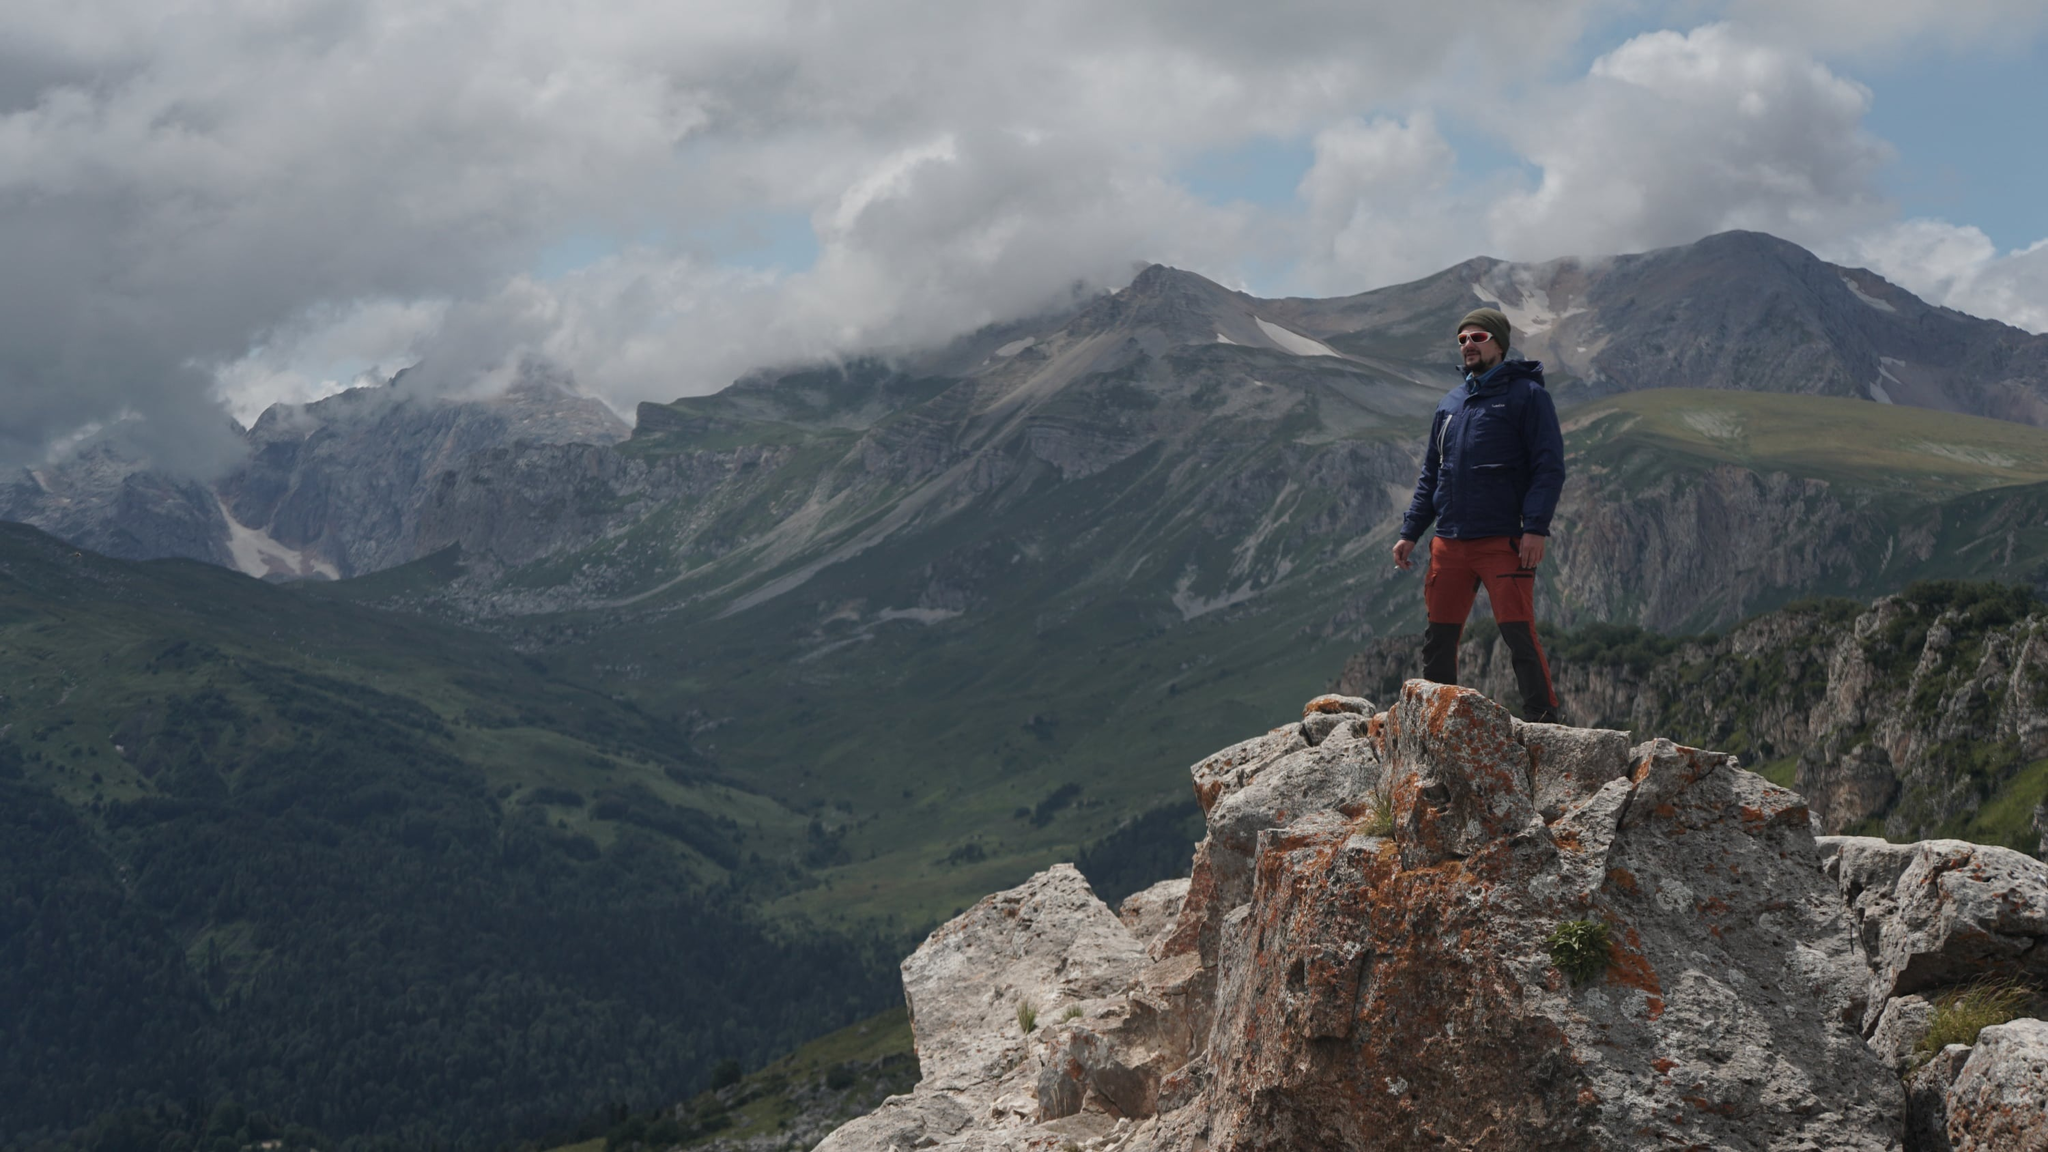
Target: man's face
<point>1481,353</point>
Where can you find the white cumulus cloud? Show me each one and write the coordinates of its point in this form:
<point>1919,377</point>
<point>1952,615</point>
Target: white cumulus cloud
<point>1674,136</point>
<point>211,204</point>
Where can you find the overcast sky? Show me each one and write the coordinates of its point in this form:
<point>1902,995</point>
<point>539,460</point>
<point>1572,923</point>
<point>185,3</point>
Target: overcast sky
<point>207,206</point>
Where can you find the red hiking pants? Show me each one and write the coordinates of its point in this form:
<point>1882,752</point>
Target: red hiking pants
<point>1457,569</point>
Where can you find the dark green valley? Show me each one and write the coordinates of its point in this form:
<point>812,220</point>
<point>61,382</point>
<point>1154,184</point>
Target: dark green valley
<point>381,878</point>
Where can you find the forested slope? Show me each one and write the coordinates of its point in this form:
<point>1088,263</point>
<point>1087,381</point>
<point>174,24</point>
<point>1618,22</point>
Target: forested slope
<point>371,875</point>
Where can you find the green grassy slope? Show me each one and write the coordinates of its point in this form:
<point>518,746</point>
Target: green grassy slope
<point>362,872</point>
<point>932,744</point>
<point>1873,446</point>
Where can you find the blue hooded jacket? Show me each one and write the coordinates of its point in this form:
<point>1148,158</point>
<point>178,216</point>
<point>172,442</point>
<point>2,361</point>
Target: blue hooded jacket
<point>1495,461</point>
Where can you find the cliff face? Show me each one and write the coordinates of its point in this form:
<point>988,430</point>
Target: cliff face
<point>106,501</point>
<point>1921,714</point>
<point>1375,951</point>
<point>330,489</point>
<point>343,479</point>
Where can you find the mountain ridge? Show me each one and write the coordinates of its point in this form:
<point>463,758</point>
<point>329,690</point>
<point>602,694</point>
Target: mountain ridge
<point>1735,310</point>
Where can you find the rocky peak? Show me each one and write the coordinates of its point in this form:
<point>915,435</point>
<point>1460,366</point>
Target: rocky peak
<point>1165,307</point>
<point>340,481</point>
<point>1375,952</point>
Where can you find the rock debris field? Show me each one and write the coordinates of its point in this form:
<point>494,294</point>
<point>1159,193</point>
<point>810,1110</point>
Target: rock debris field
<point>1435,926</point>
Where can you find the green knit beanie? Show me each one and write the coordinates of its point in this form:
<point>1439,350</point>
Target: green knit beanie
<point>1491,319</point>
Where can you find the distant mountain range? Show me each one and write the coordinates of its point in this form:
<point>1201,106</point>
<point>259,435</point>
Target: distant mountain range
<point>338,488</point>
<point>329,489</point>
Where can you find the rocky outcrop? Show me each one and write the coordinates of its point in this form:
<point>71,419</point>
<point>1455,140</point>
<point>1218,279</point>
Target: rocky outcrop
<point>1009,1003</point>
<point>1999,1098</point>
<point>1940,913</point>
<point>344,479</point>
<point>1903,715</point>
<point>1937,921</point>
<point>1366,958</point>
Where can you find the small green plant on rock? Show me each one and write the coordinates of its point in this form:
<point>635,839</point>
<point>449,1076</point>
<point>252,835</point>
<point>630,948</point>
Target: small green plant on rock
<point>1580,949</point>
<point>1027,1016</point>
<point>1960,1015</point>
<point>1073,1012</point>
<point>1379,819</point>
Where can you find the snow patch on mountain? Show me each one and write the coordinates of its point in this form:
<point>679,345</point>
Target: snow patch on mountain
<point>1534,313</point>
<point>1873,301</point>
<point>1294,342</point>
<point>257,554</point>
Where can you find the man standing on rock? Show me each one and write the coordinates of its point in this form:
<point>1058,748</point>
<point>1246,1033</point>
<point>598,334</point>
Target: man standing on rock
<point>1491,474</point>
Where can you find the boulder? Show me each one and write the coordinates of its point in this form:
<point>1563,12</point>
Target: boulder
<point>1397,992</point>
<point>1999,1100</point>
<point>1249,788</point>
<point>1048,944</point>
<point>1940,912</point>
<point>1927,1099</point>
<point>1326,714</point>
<point>1568,765</point>
<point>1899,1029</point>
<point>1337,977</point>
<point>1149,915</point>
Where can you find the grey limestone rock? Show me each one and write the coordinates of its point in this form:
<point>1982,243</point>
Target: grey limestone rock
<point>1999,1099</point>
<point>1324,987</point>
<point>1325,715</point>
<point>1940,912</point>
<point>1927,1089</point>
<point>1568,765</point>
<point>1150,914</point>
<point>1398,992</point>
<point>1049,944</point>
<point>1900,1026</point>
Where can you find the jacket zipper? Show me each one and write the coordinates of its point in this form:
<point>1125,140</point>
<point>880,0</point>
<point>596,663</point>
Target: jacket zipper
<point>1442,443</point>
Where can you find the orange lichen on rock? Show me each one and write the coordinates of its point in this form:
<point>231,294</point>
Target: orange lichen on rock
<point>1335,990</point>
<point>1628,966</point>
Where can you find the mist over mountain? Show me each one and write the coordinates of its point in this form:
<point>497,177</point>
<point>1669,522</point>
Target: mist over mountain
<point>328,489</point>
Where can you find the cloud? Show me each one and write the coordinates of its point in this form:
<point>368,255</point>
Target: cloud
<point>206,205</point>
<point>935,240</point>
<point>1957,266</point>
<point>1674,136</point>
<point>189,192</point>
<point>1669,137</point>
<point>1379,207</point>
<point>1884,28</point>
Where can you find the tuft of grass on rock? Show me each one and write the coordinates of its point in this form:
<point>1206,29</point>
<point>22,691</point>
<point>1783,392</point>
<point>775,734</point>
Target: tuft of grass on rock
<point>1960,1015</point>
<point>1027,1016</point>
<point>1379,820</point>
<point>1580,949</point>
<point>1073,1012</point>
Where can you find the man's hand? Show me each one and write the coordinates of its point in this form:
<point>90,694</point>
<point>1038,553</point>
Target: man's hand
<point>1402,548</point>
<point>1532,550</point>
